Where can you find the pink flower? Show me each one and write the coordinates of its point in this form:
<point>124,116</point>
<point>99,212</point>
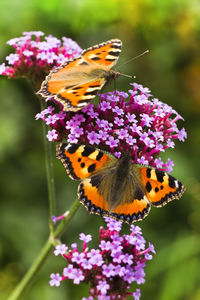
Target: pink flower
<point>111,268</point>
<point>35,55</point>
<point>134,122</point>
<point>52,135</point>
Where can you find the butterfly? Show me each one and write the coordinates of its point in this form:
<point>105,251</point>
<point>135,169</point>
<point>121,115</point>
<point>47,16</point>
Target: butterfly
<point>116,187</point>
<point>78,80</point>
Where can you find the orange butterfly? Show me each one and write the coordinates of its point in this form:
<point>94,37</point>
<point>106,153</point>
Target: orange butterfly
<point>116,187</point>
<point>77,81</point>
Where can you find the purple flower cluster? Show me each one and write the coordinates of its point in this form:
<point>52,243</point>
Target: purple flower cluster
<point>134,122</point>
<point>112,268</point>
<point>35,57</point>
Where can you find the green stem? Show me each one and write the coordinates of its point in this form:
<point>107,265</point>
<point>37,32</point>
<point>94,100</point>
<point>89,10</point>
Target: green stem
<point>49,171</point>
<point>32,272</point>
<point>39,261</point>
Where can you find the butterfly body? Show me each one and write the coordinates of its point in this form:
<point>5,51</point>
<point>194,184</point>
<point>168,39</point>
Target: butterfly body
<point>77,81</point>
<point>116,187</point>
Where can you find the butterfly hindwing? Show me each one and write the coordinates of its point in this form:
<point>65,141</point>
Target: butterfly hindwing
<point>90,197</point>
<point>77,81</point>
<point>78,96</point>
<point>160,187</point>
<point>135,210</point>
<point>94,199</point>
<point>116,192</point>
<point>81,161</point>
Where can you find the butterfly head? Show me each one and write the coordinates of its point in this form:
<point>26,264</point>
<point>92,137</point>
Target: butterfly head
<point>112,75</point>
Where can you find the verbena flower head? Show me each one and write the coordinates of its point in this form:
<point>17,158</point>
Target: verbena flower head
<point>110,269</point>
<point>135,122</point>
<point>35,55</point>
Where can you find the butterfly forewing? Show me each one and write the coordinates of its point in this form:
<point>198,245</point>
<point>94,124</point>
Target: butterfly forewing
<point>160,187</point>
<point>81,161</point>
<point>105,54</point>
<point>77,81</point>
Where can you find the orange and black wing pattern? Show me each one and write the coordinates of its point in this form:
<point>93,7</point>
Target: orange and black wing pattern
<point>81,161</point>
<point>160,187</point>
<point>100,190</point>
<point>133,210</point>
<point>105,54</point>
<point>152,187</point>
<point>77,81</point>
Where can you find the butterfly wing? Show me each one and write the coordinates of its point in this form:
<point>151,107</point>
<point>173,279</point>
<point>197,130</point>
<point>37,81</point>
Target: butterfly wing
<point>117,192</point>
<point>149,186</point>
<point>82,161</point>
<point>90,165</point>
<point>90,197</point>
<point>96,203</point>
<point>160,187</point>
<point>144,186</point>
<point>105,54</point>
<point>77,81</point>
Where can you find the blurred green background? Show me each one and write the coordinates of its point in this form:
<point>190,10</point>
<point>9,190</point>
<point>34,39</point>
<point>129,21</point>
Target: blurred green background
<point>170,29</point>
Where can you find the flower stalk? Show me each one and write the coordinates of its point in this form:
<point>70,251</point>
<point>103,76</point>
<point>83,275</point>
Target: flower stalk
<point>49,173</point>
<point>43,255</point>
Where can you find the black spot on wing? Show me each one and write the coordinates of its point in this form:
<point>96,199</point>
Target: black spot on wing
<point>148,172</point>
<point>110,59</point>
<point>148,187</point>
<point>91,168</point>
<point>82,165</point>
<point>116,46</point>
<point>87,151</point>
<point>160,175</point>
<point>99,156</point>
<point>156,189</point>
<point>94,92</point>
<point>95,58</point>
<point>77,88</point>
<point>114,53</point>
<point>94,86</point>
<point>172,182</point>
<point>72,149</point>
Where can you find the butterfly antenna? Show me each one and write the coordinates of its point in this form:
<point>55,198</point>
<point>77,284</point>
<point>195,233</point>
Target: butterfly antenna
<point>147,51</point>
<point>129,76</point>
